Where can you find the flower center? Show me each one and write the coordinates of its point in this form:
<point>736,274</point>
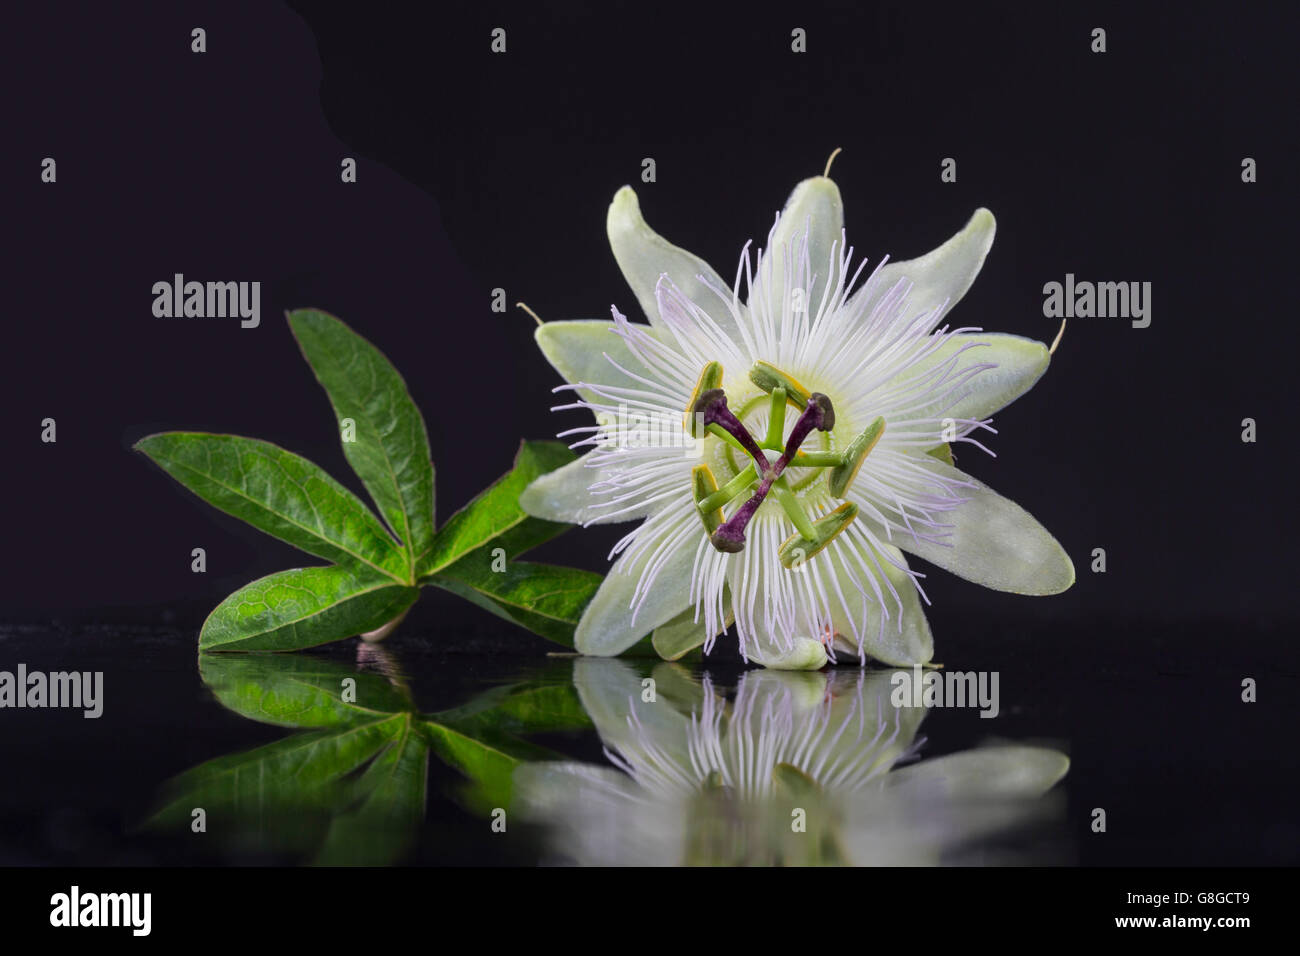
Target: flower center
<point>708,413</point>
<point>750,413</point>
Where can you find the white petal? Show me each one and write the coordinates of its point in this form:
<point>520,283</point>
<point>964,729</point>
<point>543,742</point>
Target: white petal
<point>994,542</point>
<point>814,210</point>
<point>550,789</point>
<point>1020,363</point>
<point>1001,772</point>
<point>848,730</point>
<point>607,626</point>
<point>578,349</point>
<point>643,256</point>
<point>943,274</point>
<point>565,495</point>
<point>597,816</point>
<point>901,637</point>
<point>610,692</point>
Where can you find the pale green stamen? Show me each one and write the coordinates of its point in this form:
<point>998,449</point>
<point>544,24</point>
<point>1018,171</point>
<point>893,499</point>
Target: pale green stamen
<point>719,432</point>
<point>817,459</point>
<point>776,420</point>
<point>737,486</point>
<point>794,511</point>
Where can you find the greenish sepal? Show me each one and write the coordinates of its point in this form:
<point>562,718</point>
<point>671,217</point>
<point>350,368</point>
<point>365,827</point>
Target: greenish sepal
<point>943,453</point>
<point>793,780</point>
<point>842,477</point>
<point>768,377</point>
<point>798,548</point>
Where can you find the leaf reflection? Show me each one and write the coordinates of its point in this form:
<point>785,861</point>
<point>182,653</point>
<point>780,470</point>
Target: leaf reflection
<point>351,788</point>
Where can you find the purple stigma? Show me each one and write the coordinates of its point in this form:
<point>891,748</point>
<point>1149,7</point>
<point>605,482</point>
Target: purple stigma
<point>818,415</point>
<point>713,405</point>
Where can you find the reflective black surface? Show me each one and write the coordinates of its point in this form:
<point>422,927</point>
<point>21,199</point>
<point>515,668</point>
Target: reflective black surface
<point>710,771</point>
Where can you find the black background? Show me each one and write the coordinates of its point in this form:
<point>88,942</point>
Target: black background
<point>479,171</point>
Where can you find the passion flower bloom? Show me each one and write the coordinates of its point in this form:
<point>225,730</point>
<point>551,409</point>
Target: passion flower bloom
<point>814,405</point>
<point>699,779</point>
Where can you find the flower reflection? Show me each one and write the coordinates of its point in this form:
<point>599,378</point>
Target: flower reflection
<point>800,768</point>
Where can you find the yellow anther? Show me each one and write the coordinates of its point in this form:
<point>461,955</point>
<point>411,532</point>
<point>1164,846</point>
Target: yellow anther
<point>710,378</point>
<point>768,377</point>
<point>797,549</point>
<point>704,485</point>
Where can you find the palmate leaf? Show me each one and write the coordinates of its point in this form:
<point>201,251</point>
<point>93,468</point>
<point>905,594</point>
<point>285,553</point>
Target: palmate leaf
<point>542,598</point>
<point>351,790</point>
<point>376,578</point>
<point>495,516</point>
<point>304,607</point>
<point>278,492</point>
<point>473,555</point>
<point>354,795</point>
<point>390,453</point>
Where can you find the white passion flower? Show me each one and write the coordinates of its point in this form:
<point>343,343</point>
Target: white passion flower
<point>701,779</point>
<point>814,411</point>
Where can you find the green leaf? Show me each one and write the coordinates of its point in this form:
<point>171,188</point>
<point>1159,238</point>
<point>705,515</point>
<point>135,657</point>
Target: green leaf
<point>391,450</point>
<point>299,691</point>
<point>302,608</point>
<point>546,599</point>
<point>473,553</point>
<point>352,789</point>
<point>495,516</point>
<point>284,792</point>
<point>280,493</point>
<point>487,759</point>
<point>533,707</point>
<point>387,807</point>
